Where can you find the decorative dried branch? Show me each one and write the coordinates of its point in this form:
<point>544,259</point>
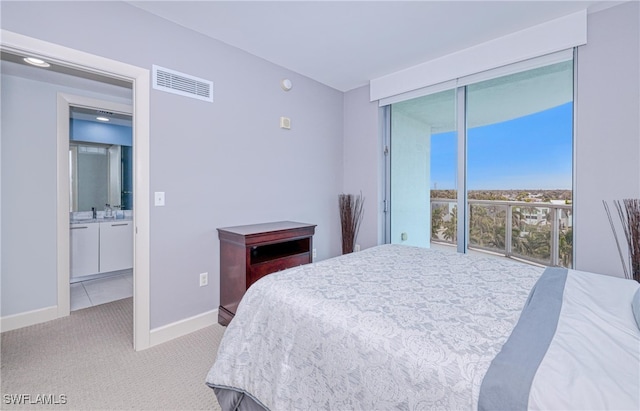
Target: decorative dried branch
<point>615,236</point>
<point>351,209</point>
<point>629,214</point>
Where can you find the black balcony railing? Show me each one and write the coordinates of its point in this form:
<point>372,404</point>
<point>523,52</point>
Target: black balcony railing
<point>541,233</point>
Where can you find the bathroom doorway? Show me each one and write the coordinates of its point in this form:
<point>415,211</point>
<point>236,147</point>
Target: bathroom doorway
<point>90,66</point>
<point>100,204</point>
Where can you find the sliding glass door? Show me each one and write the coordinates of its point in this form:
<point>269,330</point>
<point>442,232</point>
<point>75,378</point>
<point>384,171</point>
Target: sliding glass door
<point>423,174</point>
<point>502,180</point>
<point>519,163</point>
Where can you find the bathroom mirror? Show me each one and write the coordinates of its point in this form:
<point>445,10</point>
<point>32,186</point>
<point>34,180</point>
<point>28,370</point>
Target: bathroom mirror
<point>100,160</point>
<point>96,176</point>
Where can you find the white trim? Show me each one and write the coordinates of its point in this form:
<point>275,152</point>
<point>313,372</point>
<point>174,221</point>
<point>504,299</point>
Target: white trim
<point>62,181</point>
<point>531,64</point>
<point>542,61</point>
<point>15,321</point>
<point>183,327</point>
<point>141,206</point>
<point>421,92</point>
<point>546,38</point>
<point>139,77</point>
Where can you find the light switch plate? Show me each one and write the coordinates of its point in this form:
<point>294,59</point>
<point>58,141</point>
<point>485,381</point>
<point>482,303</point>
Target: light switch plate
<point>159,198</point>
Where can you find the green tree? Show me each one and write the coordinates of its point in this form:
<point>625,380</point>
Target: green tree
<point>565,248</point>
<point>450,232</point>
<point>535,241</point>
<point>437,215</point>
<point>487,226</point>
<point>540,242</point>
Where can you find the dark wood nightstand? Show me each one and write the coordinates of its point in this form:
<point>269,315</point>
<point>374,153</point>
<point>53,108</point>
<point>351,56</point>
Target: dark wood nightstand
<point>249,252</point>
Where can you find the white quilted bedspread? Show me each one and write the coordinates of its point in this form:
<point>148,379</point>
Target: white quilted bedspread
<point>391,327</point>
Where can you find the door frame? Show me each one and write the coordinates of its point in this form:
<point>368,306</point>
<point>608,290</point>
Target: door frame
<point>139,78</point>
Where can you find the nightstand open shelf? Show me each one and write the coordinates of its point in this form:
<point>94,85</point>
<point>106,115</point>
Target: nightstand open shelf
<point>285,249</point>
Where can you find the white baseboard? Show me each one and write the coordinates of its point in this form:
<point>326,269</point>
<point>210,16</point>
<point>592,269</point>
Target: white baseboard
<point>15,321</point>
<point>183,327</point>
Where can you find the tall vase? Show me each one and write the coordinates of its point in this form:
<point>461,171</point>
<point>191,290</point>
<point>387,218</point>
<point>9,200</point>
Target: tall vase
<point>351,209</point>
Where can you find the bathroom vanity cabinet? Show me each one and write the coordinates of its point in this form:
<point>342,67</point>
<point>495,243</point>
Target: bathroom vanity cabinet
<point>116,246</point>
<point>101,247</point>
<point>85,249</point>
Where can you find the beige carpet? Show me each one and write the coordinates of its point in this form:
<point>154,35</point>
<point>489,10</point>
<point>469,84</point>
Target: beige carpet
<point>88,358</point>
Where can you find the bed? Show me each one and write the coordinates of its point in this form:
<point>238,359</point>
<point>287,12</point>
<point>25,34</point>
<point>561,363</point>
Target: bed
<point>400,327</point>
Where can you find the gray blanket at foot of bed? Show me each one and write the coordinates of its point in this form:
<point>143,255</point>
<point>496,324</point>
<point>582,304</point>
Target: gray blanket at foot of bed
<point>507,383</point>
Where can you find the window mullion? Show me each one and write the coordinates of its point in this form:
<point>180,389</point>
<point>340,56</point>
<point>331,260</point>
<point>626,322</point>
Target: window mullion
<point>462,217</point>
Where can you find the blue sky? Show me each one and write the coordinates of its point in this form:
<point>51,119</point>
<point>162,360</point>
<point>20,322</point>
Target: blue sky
<point>531,152</point>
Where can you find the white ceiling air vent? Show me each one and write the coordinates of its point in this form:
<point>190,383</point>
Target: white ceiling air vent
<point>175,82</point>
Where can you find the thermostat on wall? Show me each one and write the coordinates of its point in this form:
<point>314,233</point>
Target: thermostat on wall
<point>285,122</point>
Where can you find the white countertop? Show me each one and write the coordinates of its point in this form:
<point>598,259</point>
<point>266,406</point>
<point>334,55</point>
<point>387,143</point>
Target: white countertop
<point>99,220</point>
<point>85,217</point>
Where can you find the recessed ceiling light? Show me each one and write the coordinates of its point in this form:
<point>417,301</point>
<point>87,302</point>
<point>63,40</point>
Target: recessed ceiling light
<point>102,119</point>
<point>36,62</point>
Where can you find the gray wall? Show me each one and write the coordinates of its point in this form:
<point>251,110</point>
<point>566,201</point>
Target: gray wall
<point>363,167</point>
<point>608,131</point>
<point>28,200</point>
<point>220,164</point>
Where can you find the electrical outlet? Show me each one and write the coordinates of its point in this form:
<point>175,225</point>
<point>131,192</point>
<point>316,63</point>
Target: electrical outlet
<point>204,279</point>
<point>314,254</point>
<point>357,248</point>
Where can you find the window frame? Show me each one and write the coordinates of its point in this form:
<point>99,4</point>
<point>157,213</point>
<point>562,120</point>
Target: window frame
<point>460,86</point>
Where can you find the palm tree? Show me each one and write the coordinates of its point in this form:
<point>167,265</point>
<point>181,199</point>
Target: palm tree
<point>541,242</point>
<point>565,248</point>
<point>517,227</point>
<point>437,215</point>
<point>487,226</point>
<point>450,232</point>
<point>479,225</point>
<point>499,229</point>
<point>537,243</point>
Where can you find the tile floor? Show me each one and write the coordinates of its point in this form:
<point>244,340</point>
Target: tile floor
<point>100,291</point>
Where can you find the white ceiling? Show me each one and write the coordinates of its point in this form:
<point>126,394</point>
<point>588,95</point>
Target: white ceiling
<point>344,44</point>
